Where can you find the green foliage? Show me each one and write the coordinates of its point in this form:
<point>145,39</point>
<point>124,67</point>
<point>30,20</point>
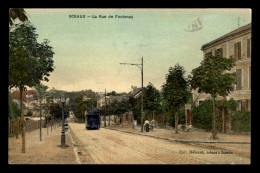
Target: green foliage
<point>29,113</point>
<point>230,105</point>
<point>209,77</point>
<point>241,121</point>
<point>15,13</point>
<point>13,108</point>
<point>30,61</point>
<point>56,110</point>
<point>175,90</point>
<point>75,94</point>
<point>151,98</point>
<point>113,93</point>
<point>117,108</point>
<point>41,91</point>
<point>81,107</point>
<point>202,115</point>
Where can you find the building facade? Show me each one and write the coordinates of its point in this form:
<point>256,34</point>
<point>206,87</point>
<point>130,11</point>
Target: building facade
<point>236,44</point>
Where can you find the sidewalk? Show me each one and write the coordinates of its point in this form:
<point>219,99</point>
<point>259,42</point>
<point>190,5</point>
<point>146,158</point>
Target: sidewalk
<point>193,136</point>
<point>47,151</point>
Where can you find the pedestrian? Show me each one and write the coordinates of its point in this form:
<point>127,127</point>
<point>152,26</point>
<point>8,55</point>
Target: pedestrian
<point>152,124</point>
<point>146,125</point>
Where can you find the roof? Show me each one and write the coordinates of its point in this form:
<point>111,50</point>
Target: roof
<point>16,95</point>
<point>117,98</point>
<point>230,34</point>
<point>134,92</point>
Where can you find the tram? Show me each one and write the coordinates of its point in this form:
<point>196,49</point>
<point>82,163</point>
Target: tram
<point>93,120</point>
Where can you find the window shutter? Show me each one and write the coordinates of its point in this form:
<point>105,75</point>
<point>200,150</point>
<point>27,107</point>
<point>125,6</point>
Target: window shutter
<point>239,50</point>
<point>244,48</point>
<point>238,81</point>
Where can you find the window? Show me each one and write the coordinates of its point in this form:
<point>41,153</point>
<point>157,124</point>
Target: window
<point>237,51</point>
<point>239,79</point>
<point>208,54</point>
<point>219,52</point>
<point>249,48</point>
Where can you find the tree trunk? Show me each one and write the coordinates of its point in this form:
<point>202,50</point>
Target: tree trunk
<point>223,121</point>
<point>22,118</point>
<point>214,133</point>
<point>230,122</point>
<point>176,122</point>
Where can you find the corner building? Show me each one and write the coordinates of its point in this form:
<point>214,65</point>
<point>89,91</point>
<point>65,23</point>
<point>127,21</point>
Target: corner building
<point>236,44</point>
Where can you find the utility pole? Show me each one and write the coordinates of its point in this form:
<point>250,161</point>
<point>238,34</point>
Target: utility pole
<point>108,114</point>
<point>141,68</point>
<point>105,108</point>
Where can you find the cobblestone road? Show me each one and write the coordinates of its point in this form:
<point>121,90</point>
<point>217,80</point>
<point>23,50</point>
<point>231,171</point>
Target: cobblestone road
<point>107,146</point>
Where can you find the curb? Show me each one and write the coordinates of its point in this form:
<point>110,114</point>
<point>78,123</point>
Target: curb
<point>181,141</point>
<point>75,149</point>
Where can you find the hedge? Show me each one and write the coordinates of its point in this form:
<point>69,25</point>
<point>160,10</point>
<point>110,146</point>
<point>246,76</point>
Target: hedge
<point>241,121</point>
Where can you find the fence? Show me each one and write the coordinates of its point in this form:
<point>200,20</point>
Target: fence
<point>15,126</point>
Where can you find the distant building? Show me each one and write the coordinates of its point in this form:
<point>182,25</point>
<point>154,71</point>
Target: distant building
<point>135,92</point>
<point>110,99</point>
<point>236,44</point>
<point>28,96</point>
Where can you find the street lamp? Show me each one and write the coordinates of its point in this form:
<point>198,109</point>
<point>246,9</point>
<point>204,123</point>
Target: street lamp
<point>63,100</point>
<point>142,69</point>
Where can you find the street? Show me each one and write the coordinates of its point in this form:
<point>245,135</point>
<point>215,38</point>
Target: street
<point>106,146</point>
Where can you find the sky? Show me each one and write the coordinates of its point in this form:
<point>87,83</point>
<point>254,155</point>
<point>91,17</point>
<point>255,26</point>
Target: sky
<point>88,51</point>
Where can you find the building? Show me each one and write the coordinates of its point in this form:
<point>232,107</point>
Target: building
<point>135,92</point>
<point>236,44</point>
<point>110,99</point>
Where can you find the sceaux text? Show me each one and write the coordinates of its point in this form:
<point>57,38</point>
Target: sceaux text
<point>101,16</point>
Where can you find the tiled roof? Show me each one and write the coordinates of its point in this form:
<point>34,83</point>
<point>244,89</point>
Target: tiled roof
<point>16,95</point>
<point>234,32</point>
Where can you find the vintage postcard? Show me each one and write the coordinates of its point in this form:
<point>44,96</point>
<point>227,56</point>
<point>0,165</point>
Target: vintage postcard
<point>129,86</point>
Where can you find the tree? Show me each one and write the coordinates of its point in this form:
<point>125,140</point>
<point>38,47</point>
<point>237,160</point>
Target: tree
<point>13,108</point>
<point>113,93</point>
<point>151,99</point>
<point>211,78</point>
<point>41,93</point>
<point>15,13</point>
<point>175,91</point>
<point>29,113</point>
<point>81,107</point>
<point>30,62</point>
<point>56,110</point>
